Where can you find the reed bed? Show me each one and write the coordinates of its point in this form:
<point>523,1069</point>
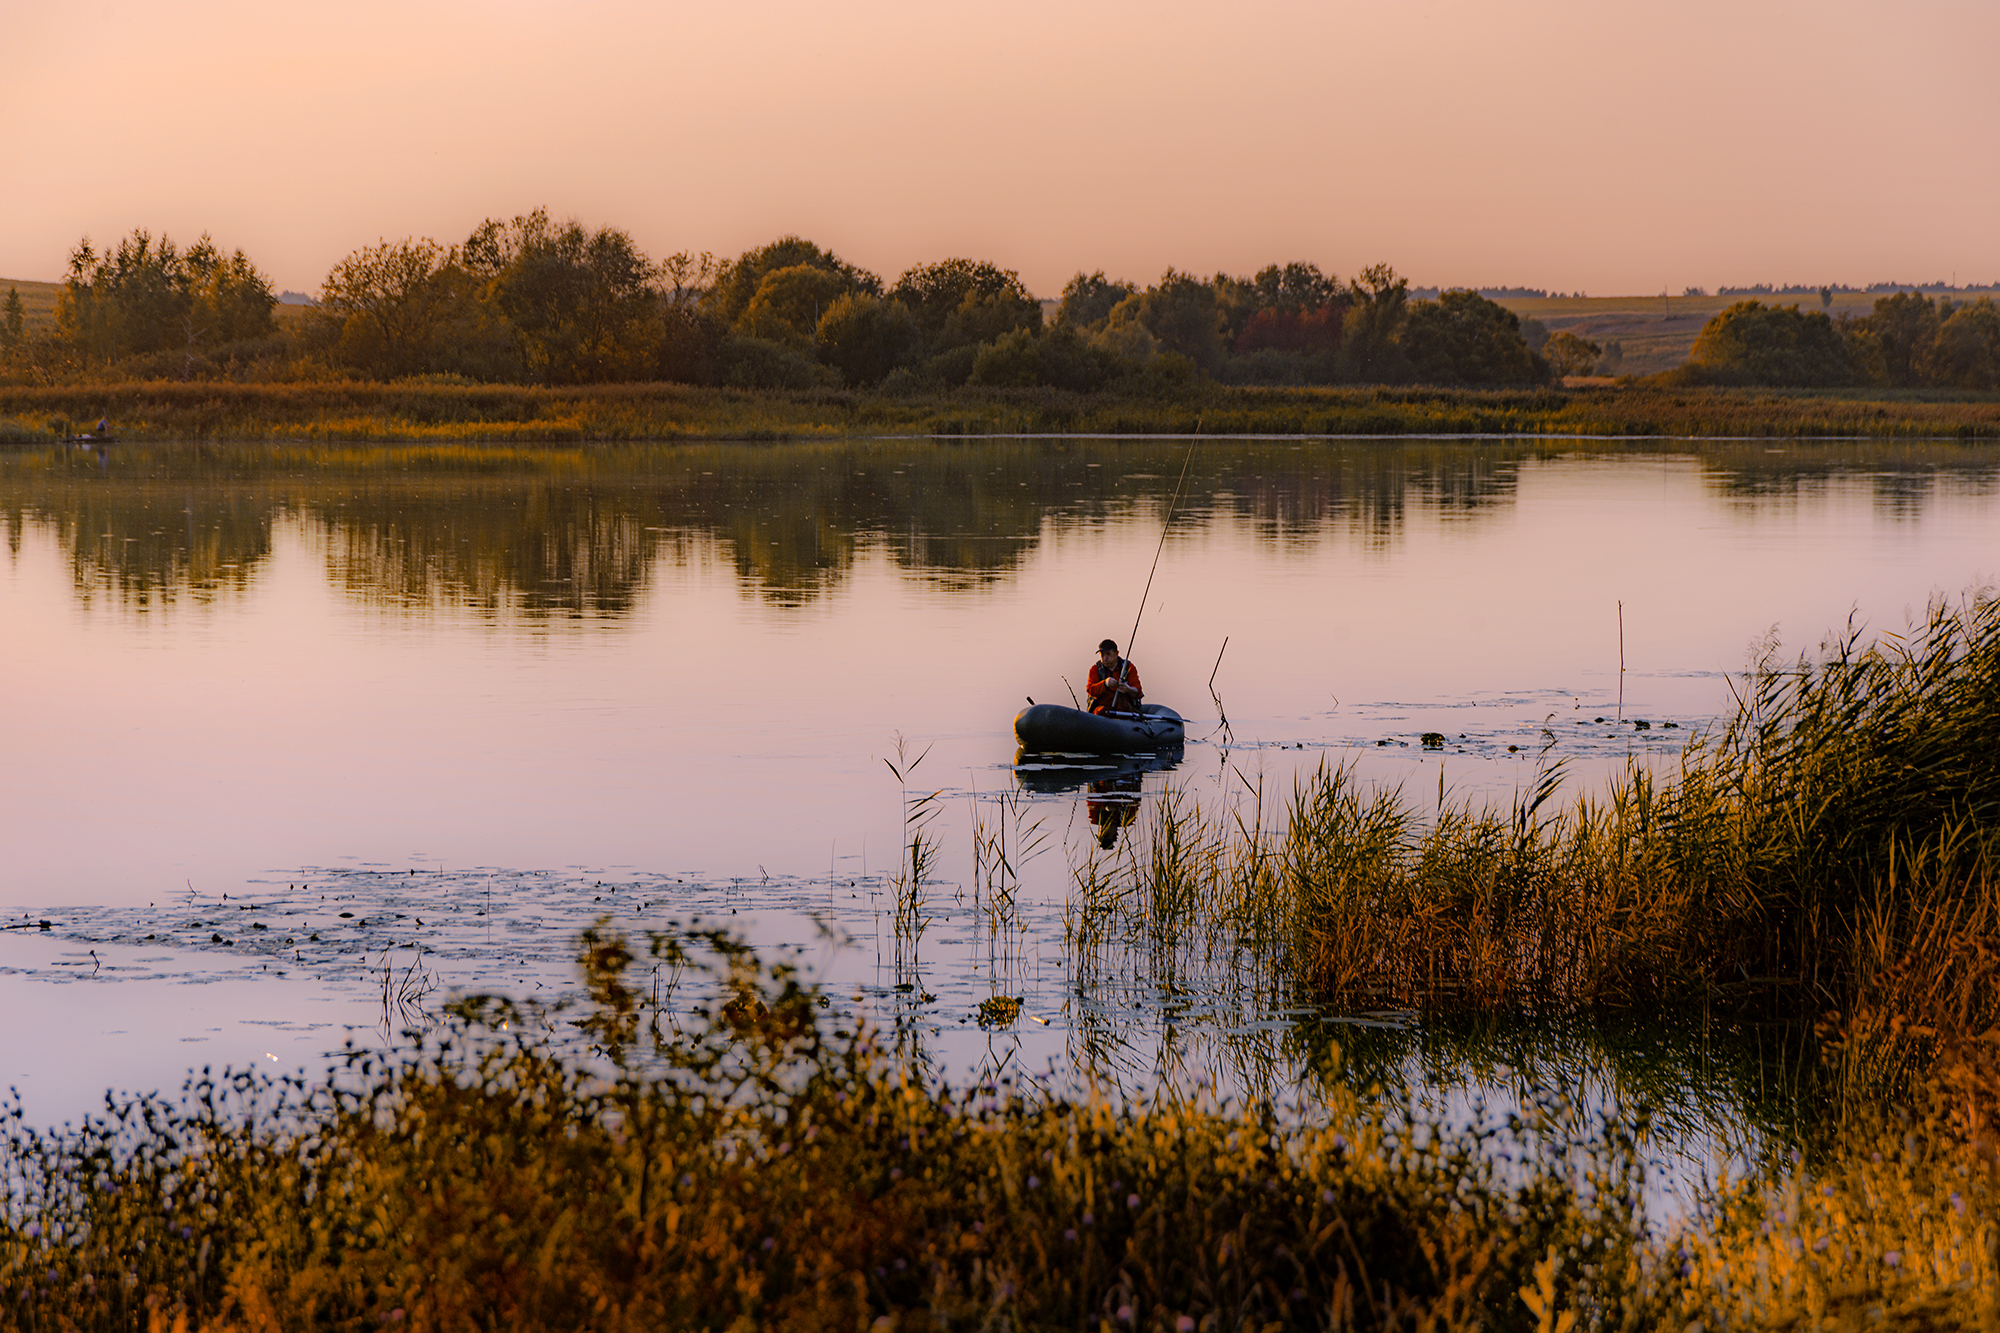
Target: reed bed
<point>754,1163</point>
<point>434,409</point>
<point>1831,853</point>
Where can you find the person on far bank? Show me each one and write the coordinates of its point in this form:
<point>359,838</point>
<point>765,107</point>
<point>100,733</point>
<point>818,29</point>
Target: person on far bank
<point>1113,686</point>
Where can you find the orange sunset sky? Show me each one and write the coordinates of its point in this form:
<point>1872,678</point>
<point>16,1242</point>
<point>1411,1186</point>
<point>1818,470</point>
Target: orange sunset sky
<point>1612,146</point>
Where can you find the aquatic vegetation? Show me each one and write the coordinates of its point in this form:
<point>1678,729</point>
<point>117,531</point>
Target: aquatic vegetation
<point>739,1165</point>
<point>747,1160</point>
<point>1832,849</point>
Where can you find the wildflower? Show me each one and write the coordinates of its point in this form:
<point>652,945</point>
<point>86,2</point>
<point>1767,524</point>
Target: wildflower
<point>1893,1258</point>
<point>1090,1219</point>
<point>1131,1201</point>
<point>1957,1204</point>
<point>1034,1182</point>
<point>1070,1234</point>
<point>1183,1324</point>
<point>1326,1196</point>
<point>770,1243</point>
<point>1124,1314</point>
<point>35,1230</point>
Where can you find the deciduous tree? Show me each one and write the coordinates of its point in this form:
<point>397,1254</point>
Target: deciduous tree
<point>1751,343</point>
<point>392,302</point>
<point>1089,298</point>
<point>149,296</point>
<point>958,302</point>
<point>1369,349</point>
<point>1463,338</point>
<point>790,302</point>
<point>582,303</point>
<point>736,281</point>
<point>866,336</point>
<point>1181,312</point>
<point>1569,354</point>
<point>1965,352</point>
<point>1904,324</point>
<point>13,328</point>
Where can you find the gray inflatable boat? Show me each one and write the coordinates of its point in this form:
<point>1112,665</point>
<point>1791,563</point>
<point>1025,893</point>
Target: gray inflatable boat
<point>1053,729</point>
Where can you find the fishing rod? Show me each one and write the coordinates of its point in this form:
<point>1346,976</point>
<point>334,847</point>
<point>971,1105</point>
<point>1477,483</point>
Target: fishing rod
<point>1171,507</point>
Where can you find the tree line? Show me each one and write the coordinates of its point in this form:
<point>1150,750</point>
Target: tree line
<point>537,301</point>
<point>1909,340</point>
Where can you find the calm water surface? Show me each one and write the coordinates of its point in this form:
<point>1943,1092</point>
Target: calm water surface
<point>662,681</point>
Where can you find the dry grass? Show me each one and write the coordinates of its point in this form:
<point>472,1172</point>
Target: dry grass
<point>352,412</point>
<point>1830,854</point>
<point>751,1170</point>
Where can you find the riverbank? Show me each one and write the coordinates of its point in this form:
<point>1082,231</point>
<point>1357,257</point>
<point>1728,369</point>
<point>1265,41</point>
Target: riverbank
<point>744,1161</point>
<point>354,411</point>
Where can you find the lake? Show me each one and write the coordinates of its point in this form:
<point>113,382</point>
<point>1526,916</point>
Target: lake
<point>474,698</point>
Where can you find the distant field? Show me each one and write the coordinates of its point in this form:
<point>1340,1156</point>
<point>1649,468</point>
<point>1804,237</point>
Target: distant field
<point>1657,332</point>
<point>38,299</point>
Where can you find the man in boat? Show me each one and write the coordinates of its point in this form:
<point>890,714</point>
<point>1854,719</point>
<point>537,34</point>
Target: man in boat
<point>1113,686</point>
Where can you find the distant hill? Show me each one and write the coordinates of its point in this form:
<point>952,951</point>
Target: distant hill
<point>38,299</point>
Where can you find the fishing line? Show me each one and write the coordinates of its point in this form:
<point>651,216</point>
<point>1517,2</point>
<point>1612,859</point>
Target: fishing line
<point>1171,507</point>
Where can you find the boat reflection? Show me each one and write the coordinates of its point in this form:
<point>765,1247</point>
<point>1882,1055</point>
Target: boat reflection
<point>1114,783</point>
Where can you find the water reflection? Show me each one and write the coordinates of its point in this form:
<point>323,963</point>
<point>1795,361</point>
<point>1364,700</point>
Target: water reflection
<point>1114,785</point>
<point>568,533</point>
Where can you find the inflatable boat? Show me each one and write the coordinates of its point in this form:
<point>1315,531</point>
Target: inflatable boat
<point>1053,729</point>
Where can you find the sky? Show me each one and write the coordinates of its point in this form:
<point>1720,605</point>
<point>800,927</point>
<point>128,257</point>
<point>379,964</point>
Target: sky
<point>1605,146</point>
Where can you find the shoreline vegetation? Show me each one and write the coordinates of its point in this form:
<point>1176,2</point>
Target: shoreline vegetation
<point>432,412</point>
<point>533,329</point>
<point>745,1156</point>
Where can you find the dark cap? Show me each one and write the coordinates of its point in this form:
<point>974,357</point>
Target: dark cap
<point>1107,647</point>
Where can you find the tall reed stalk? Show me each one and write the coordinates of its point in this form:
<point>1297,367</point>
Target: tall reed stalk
<point>1832,848</point>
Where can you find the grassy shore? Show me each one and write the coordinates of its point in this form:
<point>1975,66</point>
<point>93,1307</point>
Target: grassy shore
<point>441,413</point>
<point>745,1168</point>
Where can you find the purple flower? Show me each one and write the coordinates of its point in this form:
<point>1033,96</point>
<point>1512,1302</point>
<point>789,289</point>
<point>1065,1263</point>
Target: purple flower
<point>1034,1182</point>
<point>1893,1258</point>
<point>1326,1196</point>
<point>1957,1204</point>
<point>34,1230</point>
<point>1124,1314</point>
<point>770,1243</point>
<point>1184,1324</point>
<point>1070,1234</point>
<point>1131,1201</point>
<point>1090,1219</point>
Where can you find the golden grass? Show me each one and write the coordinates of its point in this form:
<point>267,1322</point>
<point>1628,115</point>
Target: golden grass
<point>354,411</point>
<point>750,1169</point>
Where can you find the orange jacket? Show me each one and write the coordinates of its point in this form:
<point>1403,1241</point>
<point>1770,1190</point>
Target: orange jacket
<point>1103,684</point>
